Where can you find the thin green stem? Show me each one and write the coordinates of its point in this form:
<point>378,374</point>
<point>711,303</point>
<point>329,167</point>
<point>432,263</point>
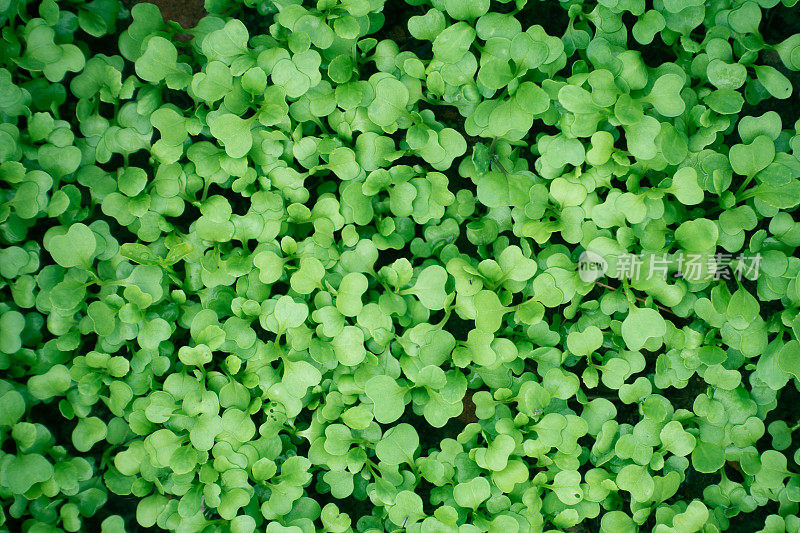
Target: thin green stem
<point>744,184</point>
<point>629,294</point>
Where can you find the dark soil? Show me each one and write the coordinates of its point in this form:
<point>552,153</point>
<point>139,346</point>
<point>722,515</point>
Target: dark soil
<point>187,13</point>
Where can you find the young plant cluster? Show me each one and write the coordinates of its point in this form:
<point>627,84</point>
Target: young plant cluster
<point>315,266</point>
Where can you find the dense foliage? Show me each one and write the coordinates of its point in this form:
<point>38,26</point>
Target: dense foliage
<point>316,266</point>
